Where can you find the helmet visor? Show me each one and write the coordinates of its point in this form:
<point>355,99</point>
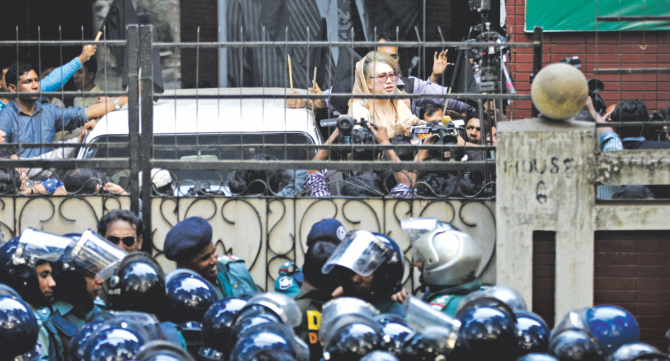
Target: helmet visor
<point>97,254</point>
<point>37,245</point>
<point>360,252</point>
<point>284,307</point>
<point>420,316</point>
<point>343,306</point>
<point>414,228</point>
<point>573,320</point>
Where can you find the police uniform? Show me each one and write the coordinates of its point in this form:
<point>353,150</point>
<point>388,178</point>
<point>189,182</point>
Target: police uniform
<point>311,302</point>
<point>448,299</point>
<point>189,237</point>
<point>65,320</point>
<point>233,278</point>
<point>290,279</point>
<point>43,338</point>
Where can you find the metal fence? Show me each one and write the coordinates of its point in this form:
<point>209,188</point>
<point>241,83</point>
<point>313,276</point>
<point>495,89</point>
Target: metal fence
<point>199,144</point>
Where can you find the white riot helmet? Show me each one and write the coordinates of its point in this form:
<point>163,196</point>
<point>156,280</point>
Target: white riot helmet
<point>450,257</point>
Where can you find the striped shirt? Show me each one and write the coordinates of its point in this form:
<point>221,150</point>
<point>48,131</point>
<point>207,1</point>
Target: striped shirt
<point>317,186</point>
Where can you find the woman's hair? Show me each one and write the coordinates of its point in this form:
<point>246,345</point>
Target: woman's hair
<point>444,185</point>
<point>81,180</point>
<point>378,57</point>
<point>10,181</point>
<point>365,184</point>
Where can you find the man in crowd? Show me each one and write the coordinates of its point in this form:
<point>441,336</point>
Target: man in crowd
<point>123,228</point>
<point>84,80</point>
<point>190,244</point>
<point>56,78</point>
<point>25,120</point>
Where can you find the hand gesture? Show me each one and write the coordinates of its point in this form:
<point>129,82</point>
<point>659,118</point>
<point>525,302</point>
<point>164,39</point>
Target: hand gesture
<point>115,189</point>
<point>401,296</point>
<point>90,125</point>
<point>87,52</point>
<point>295,103</point>
<point>440,62</point>
<point>82,136</point>
<point>320,103</point>
<point>380,132</point>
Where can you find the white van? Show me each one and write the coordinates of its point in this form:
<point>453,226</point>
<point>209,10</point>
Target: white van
<point>208,122</point>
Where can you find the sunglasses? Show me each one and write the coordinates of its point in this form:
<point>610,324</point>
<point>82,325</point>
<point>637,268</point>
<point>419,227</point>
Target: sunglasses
<point>383,76</point>
<point>128,241</point>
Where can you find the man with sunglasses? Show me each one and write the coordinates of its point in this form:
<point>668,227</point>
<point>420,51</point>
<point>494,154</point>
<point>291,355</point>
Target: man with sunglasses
<point>123,228</point>
<point>189,243</point>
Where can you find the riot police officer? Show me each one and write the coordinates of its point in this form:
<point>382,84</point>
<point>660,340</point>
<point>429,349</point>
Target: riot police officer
<point>162,351</point>
<point>189,243</point>
<point>217,325</point>
<point>24,266</point>
<point>349,331</point>
<point>271,342</point>
<point>18,330</point>
<point>448,259</point>
<point>189,296</point>
<point>369,266</point>
<point>488,330</point>
<point>138,284</point>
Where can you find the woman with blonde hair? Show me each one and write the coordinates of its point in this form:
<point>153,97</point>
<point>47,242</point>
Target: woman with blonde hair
<point>376,74</point>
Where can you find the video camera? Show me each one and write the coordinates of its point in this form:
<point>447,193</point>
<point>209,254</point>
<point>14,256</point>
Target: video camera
<point>595,85</point>
<point>350,134</point>
<point>446,134</point>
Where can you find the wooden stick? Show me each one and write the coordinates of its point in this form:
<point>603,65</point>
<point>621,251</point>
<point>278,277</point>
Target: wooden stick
<point>313,90</point>
<point>314,79</point>
<point>97,37</point>
<point>290,71</point>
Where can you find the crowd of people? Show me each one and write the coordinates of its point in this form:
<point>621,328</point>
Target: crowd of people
<point>98,296</point>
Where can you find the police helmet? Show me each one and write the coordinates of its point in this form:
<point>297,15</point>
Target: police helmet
<point>189,296</point>
<point>265,342</point>
<point>414,228</point>
<point>574,345</point>
<point>612,326</point>
<point>537,357</point>
<point>365,253</point>
<point>489,332</point>
<point>507,295</point>
<point>379,356</point>
<point>450,257</point>
<point>20,275</point>
<point>350,337</point>
<point>247,319</point>
<point>637,351</point>
<point>71,281</point>
<point>120,341</point>
<point>282,306</point>
<point>429,344</point>
<point>532,332</point>
<point>395,333</point>
<point>8,291</point>
<point>80,340</point>
<point>18,330</point>
<point>162,351</point>
<point>217,323</point>
<point>138,285</point>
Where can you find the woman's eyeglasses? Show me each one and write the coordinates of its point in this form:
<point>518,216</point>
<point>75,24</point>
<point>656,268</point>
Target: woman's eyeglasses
<point>382,77</point>
<point>128,241</point>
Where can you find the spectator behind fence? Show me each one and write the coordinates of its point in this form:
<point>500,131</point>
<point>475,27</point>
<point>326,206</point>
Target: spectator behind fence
<point>123,228</point>
<point>88,181</point>
<point>84,80</point>
<point>376,74</point>
<point>39,122</point>
<point>54,80</point>
<point>15,181</point>
<point>51,100</point>
<point>430,111</point>
<point>255,182</point>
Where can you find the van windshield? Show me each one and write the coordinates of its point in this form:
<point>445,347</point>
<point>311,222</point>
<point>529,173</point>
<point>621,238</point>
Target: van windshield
<point>193,148</point>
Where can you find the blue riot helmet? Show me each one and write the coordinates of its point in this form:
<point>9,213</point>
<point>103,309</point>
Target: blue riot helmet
<point>432,343</point>
<point>612,326</point>
<point>8,291</point>
<point>532,332</point>
<point>162,351</point>
<point>395,333</point>
<point>116,341</point>
<point>537,357</point>
<point>574,345</point>
<point>350,337</point>
<point>280,305</point>
<point>637,351</point>
<point>18,330</point>
<point>248,318</point>
<point>80,339</point>
<point>272,342</point>
<point>365,253</point>
<point>138,284</point>
<point>488,327</point>
<point>189,296</point>
<point>217,326</point>
<point>507,295</point>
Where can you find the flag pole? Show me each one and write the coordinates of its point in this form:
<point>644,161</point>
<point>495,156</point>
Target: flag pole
<point>290,71</point>
<point>97,37</point>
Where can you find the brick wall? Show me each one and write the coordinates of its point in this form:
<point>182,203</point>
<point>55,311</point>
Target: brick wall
<point>602,50</point>
<point>632,271</point>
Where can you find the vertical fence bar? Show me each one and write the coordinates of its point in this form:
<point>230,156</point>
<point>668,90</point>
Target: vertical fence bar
<point>146,99</point>
<point>537,58</point>
<point>133,116</point>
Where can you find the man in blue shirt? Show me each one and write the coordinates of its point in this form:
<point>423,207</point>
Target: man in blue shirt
<point>57,78</point>
<point>25,120</point>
